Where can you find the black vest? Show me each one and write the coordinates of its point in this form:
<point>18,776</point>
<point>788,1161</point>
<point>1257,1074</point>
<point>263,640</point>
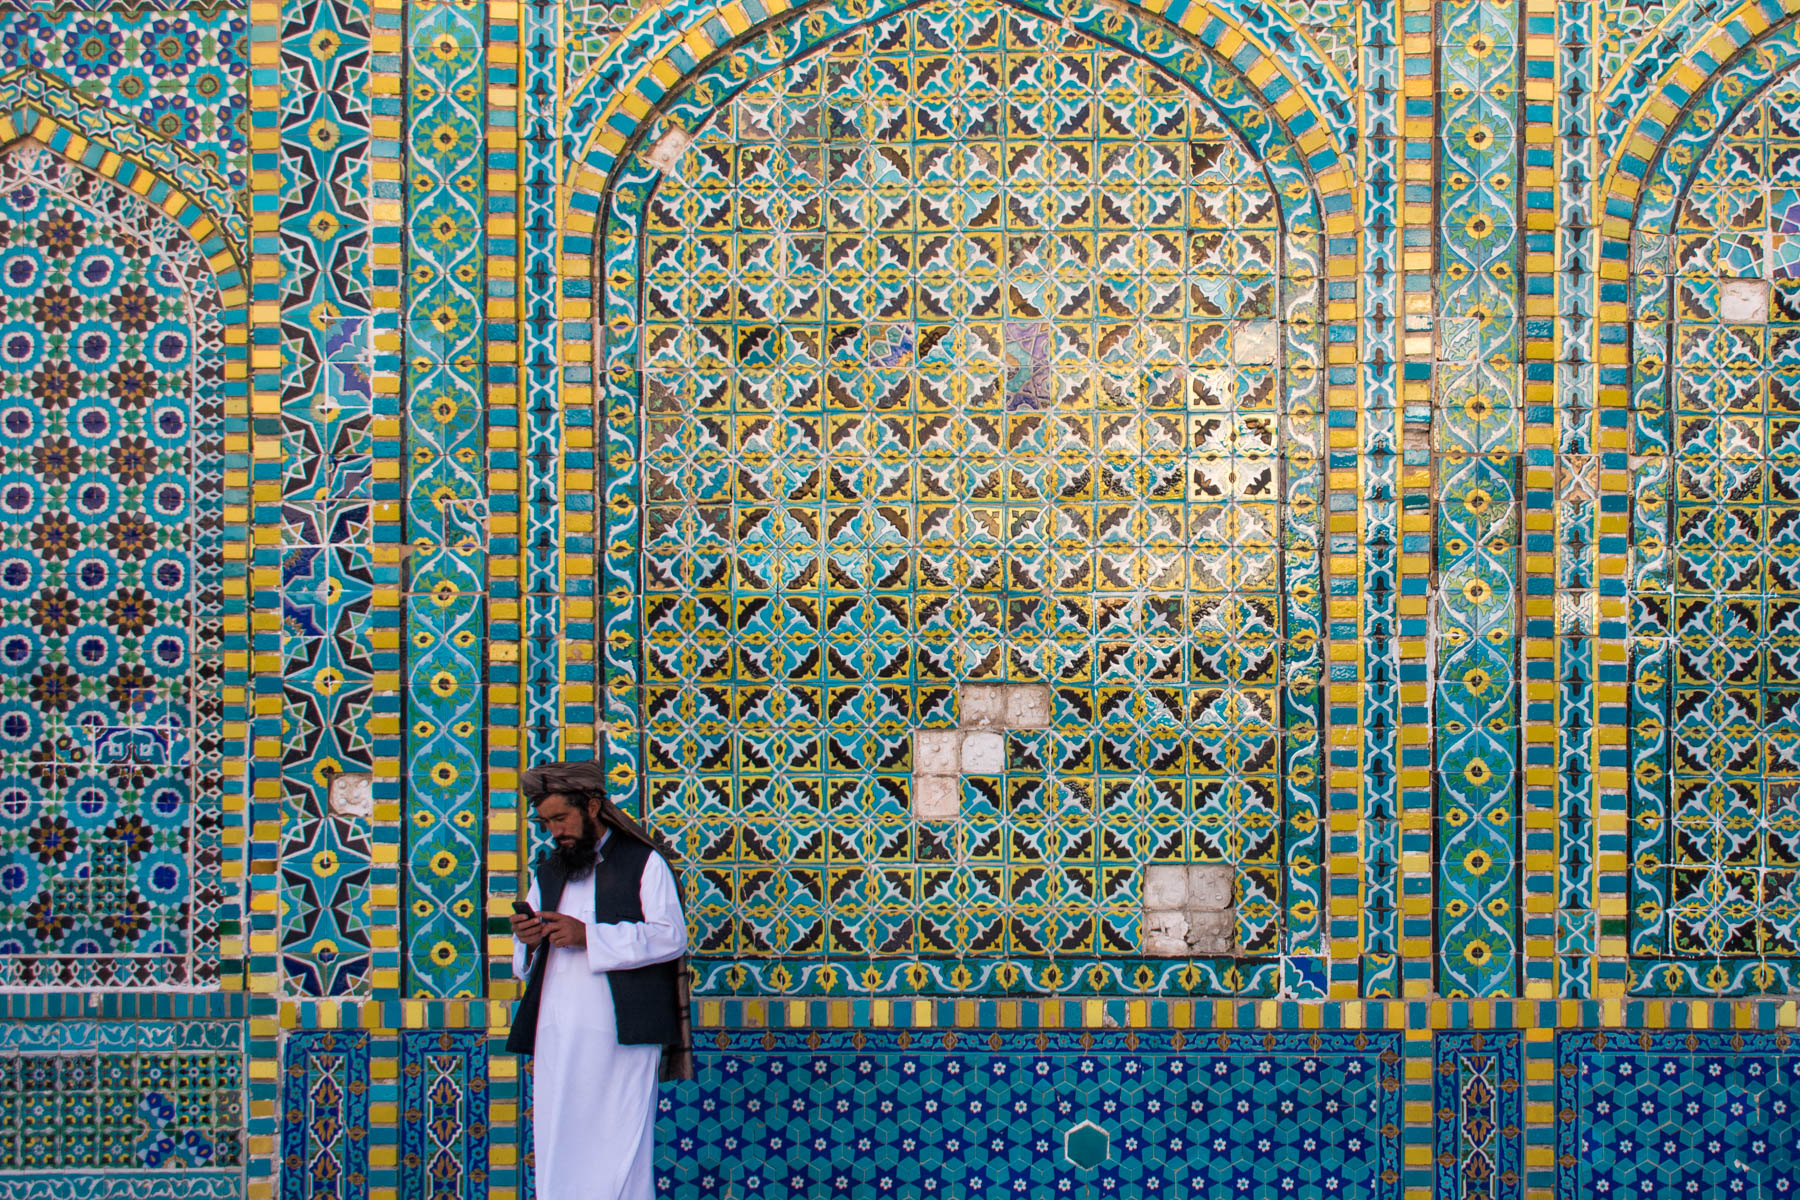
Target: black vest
<point>646,1000</point>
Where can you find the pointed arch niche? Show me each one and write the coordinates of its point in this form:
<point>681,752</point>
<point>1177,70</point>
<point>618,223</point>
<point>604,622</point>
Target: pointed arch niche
<point>1715,571</point>
<point>114,569</point>
<point>951,350</point>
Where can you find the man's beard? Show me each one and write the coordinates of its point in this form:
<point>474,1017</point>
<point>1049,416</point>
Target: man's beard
<point>577,857</point>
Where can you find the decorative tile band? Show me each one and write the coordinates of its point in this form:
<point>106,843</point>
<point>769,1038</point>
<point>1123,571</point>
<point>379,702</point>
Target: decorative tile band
<point>1476,438</point>
<point>446,502</point>
<point>1479,1114</point>
<point>329,574</point>
<point>1262,1114</point>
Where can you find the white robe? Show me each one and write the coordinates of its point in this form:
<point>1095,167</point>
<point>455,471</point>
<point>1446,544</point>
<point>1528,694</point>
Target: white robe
<point>593,1100</point>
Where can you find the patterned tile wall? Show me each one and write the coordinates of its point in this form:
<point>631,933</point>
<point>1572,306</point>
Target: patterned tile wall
<point>329,573</point>
<point>1732,825</point>
<point>973,383</point>
<point>137,1106</point>
<point>112,555</point>
<point>898,1113</point>
<point>446,509</point>
<point>1370,421</point>
<point>1676,1114</point>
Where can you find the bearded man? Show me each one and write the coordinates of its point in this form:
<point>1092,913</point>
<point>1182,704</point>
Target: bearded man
<point>605,1003</point>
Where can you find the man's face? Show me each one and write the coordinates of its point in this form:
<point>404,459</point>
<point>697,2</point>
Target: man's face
<point>572,827</point>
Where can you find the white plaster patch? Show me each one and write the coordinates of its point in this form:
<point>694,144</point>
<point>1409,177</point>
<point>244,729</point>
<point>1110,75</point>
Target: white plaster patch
<point>937,751</point>
<point>666,154</point>
<point>1210,932</point>
<point>983,754</point>
<point>1254,343</point>
<point>1188,909</point>
<point>1744,301</point>
<point>1209,886</point>
<point>1165,934</point>
<point>936,797</point>
<point>983,705</point>
<point>1028,706</point>
<point>352,795</point>
<point>1165,886</point>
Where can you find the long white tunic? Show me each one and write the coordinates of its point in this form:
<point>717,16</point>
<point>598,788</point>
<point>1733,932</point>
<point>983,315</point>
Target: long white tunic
<point>594,1101</point>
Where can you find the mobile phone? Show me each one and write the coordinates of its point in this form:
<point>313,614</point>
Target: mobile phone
<point>523,909</point>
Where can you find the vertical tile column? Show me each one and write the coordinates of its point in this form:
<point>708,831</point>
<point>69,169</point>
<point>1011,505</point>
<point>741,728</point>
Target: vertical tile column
<point>444,1130</point>
<point>1582,604</point>
<point>253,472</point>
<point>264,454</point>
<point>1552,497</point>
<point>326,1098</point>
<point>387,448</point>
<point>1381,99</point>
<point>507,484</point>
<point>1477,441</point>
<point>538,330</point>
<point>446,504</point>
<point>328,575</point>
<point>1418,233</point>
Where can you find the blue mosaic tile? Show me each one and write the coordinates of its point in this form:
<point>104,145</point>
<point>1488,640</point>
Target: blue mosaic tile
<point>446,509</point>
<point>443,1118</point>
<point>983,1115</point>
<point>325,1114</point>
<point>1671,1113</point>
<point>130,1106</point>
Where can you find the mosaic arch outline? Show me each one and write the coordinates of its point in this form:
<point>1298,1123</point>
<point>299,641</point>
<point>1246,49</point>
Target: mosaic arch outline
<point>594,134</point>
<point>1644,193</point>
<point>42,93</point>
<point>1646,53</point>
<point>1264,135</point>
<point>675,41</point>
<point>38,106</point>
<point>213,916</point>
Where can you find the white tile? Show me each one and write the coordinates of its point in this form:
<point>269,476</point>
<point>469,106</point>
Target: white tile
<point>1209,886</point>
<point>983,754</point>
<point>1165,933</point>
<point>1028,706</point>
<point>983,705</point>
<point>1254,342</point>
<point>937,752</point>
<point>351,794</point>
<point>936,797</point>
<point>1211,932</point>
<point>667,153</point>
<point>1165,886</point>
<point>1744,301</point>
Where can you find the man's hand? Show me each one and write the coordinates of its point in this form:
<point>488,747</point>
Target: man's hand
<point>564,930</point>
<point>530,930</point>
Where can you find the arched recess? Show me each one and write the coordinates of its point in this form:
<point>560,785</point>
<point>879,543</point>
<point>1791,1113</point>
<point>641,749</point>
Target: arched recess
<point>662,47</point>
<point>806,881</point>
<point>1712,319</point>
<point>124,382</point>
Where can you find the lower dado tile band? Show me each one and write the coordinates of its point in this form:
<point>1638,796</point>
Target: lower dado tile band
<point>1445,1100</point>
<point>1003,1115</point>
<point>1048,1100</point>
